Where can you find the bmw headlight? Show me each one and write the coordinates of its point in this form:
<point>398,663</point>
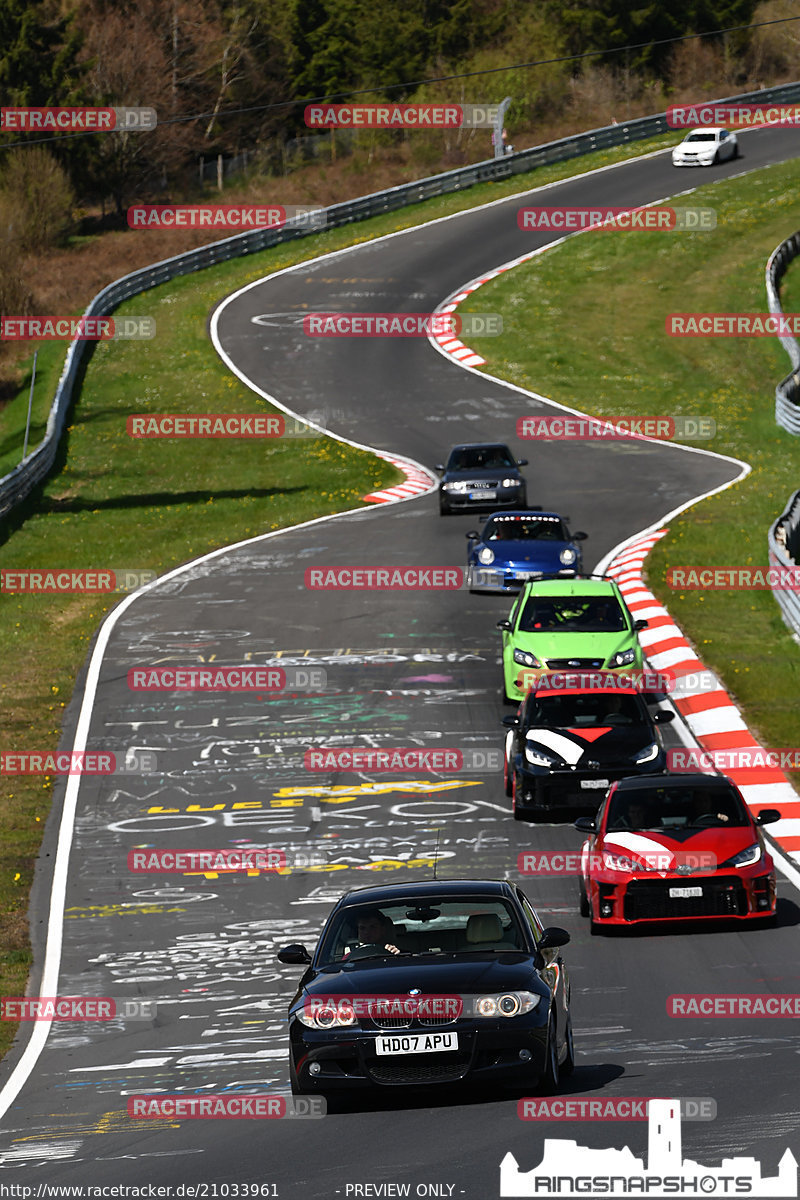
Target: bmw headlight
<point>623,659</point>
<point>511,482</point>
<point>745,858</point>
<point>648,754</point>
<point>327,1016</point>
<point>485,555</point>
<point>524,659</point>
<point>505,1004</point>
<point>568,556</point>
<point>539,757</point>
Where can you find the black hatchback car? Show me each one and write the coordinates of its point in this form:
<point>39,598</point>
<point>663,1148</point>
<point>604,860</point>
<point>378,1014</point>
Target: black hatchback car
<point>567,745</point>
<point>481,475</point>
<point>436,982</point>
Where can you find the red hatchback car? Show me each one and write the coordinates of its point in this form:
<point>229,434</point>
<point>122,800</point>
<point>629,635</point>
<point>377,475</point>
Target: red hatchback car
<point>675,847</point>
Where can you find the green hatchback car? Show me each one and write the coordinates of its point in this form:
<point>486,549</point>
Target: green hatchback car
<point>567,625</point>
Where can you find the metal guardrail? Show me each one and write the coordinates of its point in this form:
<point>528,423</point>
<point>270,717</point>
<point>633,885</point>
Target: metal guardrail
<point>784,551</point>
<point>787,393</point>
<point>34,469</point>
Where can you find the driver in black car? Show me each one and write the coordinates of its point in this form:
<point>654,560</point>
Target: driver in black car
<point>375,928</point>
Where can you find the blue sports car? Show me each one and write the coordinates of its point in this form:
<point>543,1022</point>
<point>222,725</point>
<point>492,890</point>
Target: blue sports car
<point>521,545</point>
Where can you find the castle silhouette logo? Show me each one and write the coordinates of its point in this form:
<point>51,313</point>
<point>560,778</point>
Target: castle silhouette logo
<point>568,1169</point>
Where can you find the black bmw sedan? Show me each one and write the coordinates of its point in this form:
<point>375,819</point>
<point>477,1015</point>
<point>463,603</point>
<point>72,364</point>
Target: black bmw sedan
<point>433,982</point>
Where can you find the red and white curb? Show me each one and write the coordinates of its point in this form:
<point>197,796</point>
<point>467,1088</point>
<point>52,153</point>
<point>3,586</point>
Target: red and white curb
<point>450,344</point>
<point>712,717</point>
<point>418,481</point>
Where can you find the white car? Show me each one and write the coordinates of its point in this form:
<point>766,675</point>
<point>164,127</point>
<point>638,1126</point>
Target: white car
<point>702,147</point>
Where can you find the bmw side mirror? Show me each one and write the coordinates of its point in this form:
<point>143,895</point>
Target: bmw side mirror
<point>511,721</point>
<point>296,954</point>
<point>580,536</point>
<point>663,716</point>
<point>640,624</point>
<point>522,462</point>
<point>552,937</point>
<point>586,825</point>
<point>767,816</point>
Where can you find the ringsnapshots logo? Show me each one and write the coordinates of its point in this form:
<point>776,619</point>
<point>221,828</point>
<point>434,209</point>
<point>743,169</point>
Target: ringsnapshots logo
<point>86,119</point>
<point>401,116</point>
<point>643,854</point>
<point>614,1108</point>
<point>227,679</point>
<point>655,219</point>
<point>402,759</point>
<point>240,217</point>
<point>55,581</point>
<point>77,762</point>
<point>752,324</point>
<point>733,579</point>
<point>75,1008</point>
<point>81,329</point>
<point>384,579</point>
<point>604,429</point>
<point>402,325</point>
<point>225,1107</point>
<point>731,116</point>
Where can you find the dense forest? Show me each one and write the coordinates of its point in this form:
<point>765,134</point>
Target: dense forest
<point>231,78</point>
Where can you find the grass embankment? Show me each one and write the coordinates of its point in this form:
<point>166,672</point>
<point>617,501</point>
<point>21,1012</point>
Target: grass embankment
<point>585,326</point>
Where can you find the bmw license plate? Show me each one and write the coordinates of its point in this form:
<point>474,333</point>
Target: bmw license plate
<point>483,495</point>
<point>684,893</point>
<point>415,1043</point>
<point>595,783</point>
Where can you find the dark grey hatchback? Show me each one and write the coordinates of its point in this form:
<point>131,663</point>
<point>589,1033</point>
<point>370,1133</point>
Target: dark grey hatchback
<point>481,475</point>
<point>436,982</point>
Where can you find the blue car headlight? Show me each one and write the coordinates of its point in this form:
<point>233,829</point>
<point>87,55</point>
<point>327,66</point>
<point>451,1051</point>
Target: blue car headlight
<point>485,556</point>
<point>568,556</point>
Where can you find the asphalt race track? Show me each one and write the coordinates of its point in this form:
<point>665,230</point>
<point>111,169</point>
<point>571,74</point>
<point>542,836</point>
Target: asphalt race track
<point>403,668</point>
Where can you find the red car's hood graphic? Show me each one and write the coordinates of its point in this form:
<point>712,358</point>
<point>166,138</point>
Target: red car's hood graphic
<point>703,849</point>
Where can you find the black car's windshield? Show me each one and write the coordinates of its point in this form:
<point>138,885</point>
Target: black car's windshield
<point>587,709</point>
<point>573,614</point>
<point>479,458</point>
<point>518,529</point>
<point>424,925</point>
<point>675,808</point>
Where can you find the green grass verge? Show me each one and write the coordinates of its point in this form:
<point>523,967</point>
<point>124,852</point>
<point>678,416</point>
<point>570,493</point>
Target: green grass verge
<point>152,504</point>
<point>564,339</point>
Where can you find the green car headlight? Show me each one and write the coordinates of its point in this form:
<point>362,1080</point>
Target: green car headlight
<point>524,659</point>
<point>623,658</point>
